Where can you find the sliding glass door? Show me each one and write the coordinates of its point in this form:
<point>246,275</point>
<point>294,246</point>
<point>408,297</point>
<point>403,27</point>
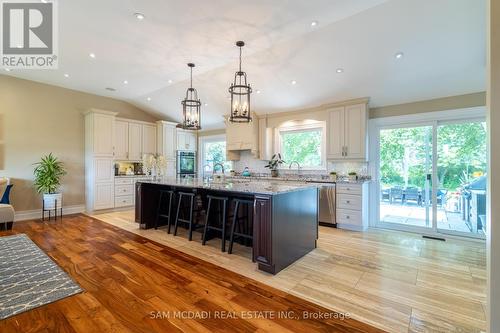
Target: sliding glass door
<point>405,176</point>
<point>431,177</point>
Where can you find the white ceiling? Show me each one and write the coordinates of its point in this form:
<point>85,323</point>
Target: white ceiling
<point>443,43</point>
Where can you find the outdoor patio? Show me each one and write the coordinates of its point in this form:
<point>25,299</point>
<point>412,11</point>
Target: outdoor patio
<point>415,215</point>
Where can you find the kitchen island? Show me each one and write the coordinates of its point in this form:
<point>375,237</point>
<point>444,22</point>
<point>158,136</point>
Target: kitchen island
<point>285,215</point>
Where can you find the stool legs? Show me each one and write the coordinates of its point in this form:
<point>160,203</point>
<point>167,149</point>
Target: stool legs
<point>205,228</point>
<point>188,221</point>
<point>222,216</point>
<point>233,225</point>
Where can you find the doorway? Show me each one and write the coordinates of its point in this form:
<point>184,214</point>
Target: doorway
<point>430,176</point>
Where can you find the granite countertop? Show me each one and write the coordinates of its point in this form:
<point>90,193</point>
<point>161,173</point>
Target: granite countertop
<point>304,179</point>
<point>266,187</point>
<point>129,176</point>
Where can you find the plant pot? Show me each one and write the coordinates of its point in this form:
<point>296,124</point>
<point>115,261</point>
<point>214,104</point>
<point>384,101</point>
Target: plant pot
<point>333,178</point>
<point>353,178</point>
<point>274,173</point>
<point>49,200</point>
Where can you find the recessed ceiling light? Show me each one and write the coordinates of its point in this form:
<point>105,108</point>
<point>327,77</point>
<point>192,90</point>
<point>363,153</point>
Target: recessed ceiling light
<point>92,55</point>
<point>110,89</point>
<point>139,16</point>
<point>293,82</point>
<point>125,82</point>
<point>66,75</point>
<point>399,55</point>
<point>7,69</point>
<point>340,70</point>
<point>314,23</point>
<point>170,81</point>
<point>149,98</point>
<point>258,91</point>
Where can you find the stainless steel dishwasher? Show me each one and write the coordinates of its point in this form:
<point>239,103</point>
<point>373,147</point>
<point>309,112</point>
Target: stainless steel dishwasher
<point>327,203</point>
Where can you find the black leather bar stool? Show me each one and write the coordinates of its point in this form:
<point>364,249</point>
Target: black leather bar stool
<point>191,222</point>
<point>244,230</point>
<point>222,214</point>
<point>169,195</point>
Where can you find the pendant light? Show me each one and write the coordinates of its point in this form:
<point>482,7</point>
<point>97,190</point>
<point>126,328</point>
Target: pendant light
<point>191,107</point>
<point>240,95</point>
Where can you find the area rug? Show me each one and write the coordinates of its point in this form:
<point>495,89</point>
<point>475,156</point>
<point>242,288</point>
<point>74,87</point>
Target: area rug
<point>28,277</point>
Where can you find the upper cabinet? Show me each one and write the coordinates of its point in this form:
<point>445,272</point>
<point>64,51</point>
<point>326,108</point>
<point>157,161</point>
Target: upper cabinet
<point>133,139</point>
<point>186,140</point>
<point>148,139</point>
<point>242,136</point>
<point>100,133</point>
<point>347,137</point>
<point>166,138</point>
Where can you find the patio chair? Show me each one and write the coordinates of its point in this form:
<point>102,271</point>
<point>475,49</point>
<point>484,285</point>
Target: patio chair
<point>396,193</point>
<point>412,194</point>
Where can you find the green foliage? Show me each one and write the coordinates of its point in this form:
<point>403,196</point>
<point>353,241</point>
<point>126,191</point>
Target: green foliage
<point>275,162</point>
<point>303,147</point>
<point>215,152</point>
<point>48,173</point>
<point>406,154</point>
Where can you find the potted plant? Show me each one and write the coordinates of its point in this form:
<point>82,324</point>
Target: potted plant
<point>333,175</point>
<point>48,173</point>
<point>274,163</point>
<point>353,176</point>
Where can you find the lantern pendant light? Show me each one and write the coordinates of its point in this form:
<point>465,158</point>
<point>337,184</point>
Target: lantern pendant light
<point>191,107</point>
<point>240,95</point>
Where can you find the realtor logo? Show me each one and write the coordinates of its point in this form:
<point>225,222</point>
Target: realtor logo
<point>29,35</point>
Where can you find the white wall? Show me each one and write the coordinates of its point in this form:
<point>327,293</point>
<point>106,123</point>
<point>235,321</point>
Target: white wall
<point>493,102</point>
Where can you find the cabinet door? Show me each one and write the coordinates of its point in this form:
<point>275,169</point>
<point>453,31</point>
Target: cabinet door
<point>121,140</point>
<point>103,135</point>
<point>336,133</point>
<point>134,141</point>
<point>355,131</point>
<point>104,170</point>
<point>169,142</point>
<point>148,139</point>
<point>191,141</point>
<point>182,141</point>
<point>104,197</point>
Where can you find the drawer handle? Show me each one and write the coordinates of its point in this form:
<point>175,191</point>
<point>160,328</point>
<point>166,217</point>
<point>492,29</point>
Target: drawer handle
<point>124,201</point>
<point>348,201</point>
<point>347,217</point>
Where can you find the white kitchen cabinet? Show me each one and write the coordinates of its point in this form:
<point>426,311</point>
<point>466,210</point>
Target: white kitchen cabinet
<point>186,140</point>
<point>134,141</point>
<point>121,140</point>
<point>352,206</point>
<point>166,139</point>
<point>99,166</point>
<point>148,139</point>
<point>265,140</point>
<point>347,135</point>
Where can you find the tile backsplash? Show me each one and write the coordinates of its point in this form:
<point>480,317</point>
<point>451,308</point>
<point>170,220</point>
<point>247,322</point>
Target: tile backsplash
<point>257,166</point>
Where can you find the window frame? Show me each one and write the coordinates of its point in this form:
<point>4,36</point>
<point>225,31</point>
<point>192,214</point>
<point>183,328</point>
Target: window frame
<point>298,128</point>
<point>202,140</point>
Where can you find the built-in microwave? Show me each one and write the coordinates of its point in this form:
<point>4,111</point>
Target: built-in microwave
<point>186,163</point>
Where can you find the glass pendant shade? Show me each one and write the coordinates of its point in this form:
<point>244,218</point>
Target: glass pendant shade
<point>240,92</point>
<point>191,107</point>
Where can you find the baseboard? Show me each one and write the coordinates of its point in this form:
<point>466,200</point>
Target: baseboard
<point>37,213</point>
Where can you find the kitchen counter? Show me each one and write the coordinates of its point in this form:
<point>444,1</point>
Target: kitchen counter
<point>304,179</point>
<point>245,186</point>
<point>285,215</point>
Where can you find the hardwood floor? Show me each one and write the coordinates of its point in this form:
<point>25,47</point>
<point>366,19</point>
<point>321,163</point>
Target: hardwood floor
<point>133,284</point>
<point>395,281</point>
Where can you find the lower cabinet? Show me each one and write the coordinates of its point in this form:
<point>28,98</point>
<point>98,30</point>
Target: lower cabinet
<point>103,196</point>
<point>352,206</point>
<point>263,242</point>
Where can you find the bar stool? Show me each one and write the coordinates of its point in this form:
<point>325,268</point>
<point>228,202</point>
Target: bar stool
<point>222,228</point>
<point>246,232</point>
<point>190,222</point>
<point>159,215</point>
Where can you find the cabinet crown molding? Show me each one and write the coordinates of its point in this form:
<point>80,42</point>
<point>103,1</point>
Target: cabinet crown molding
<point>92,110</point>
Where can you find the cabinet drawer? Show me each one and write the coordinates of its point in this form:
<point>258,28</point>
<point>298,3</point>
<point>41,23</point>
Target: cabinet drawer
<point>124,201</point>
<point>124,181</point>
<point>347,216</point>
<point>124,190</point>
<point>349,201</point>
<point>349,188</point>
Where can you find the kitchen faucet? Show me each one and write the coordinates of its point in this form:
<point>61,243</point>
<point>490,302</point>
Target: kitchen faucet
<point>298,167</point>
<point>218,164</point>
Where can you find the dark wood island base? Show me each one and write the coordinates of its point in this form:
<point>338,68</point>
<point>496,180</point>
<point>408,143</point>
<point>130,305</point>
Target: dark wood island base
<point>285,223</point>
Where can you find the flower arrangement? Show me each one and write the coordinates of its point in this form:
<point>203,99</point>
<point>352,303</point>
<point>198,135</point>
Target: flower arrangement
<point>274,163</point>
<point>154,165</point>
<point>353,176</point>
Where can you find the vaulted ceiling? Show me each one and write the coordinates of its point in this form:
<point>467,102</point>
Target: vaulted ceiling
<point>442,41</point>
